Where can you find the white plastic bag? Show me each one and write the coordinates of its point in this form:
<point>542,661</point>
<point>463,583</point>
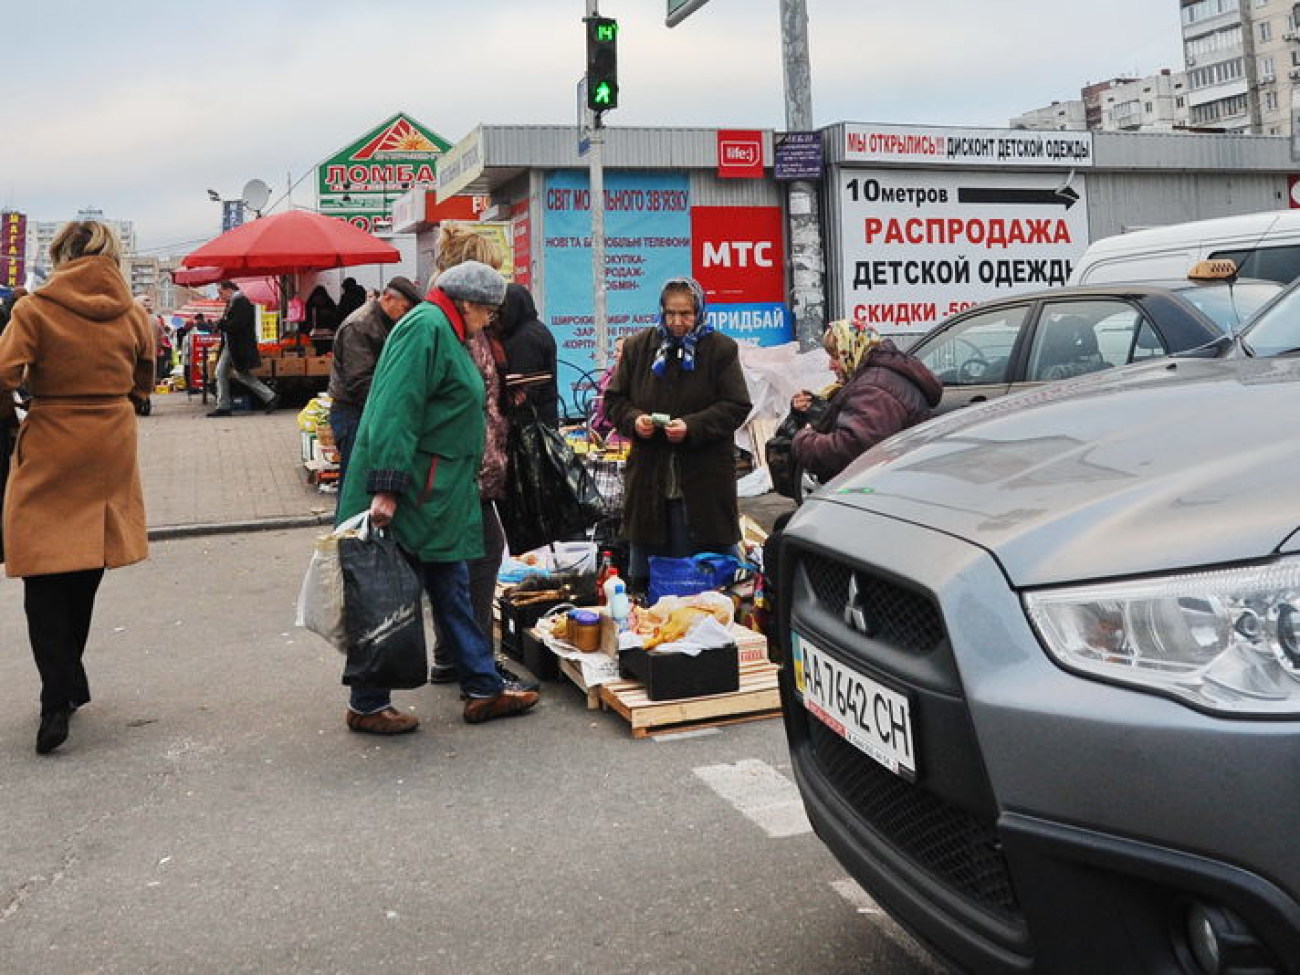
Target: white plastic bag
<point>320,601</point>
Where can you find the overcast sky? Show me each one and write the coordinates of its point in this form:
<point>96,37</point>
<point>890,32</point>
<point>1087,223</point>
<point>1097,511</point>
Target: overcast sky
<point>138,107</point>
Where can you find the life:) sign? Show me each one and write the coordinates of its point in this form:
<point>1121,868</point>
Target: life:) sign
<point>740,154</point>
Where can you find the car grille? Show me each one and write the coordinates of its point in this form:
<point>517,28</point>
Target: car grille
<point>957,849</point>
<point>894,615</point>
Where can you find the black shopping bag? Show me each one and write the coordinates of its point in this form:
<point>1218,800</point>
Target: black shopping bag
<point>550,495</point>
<point>381,614</point>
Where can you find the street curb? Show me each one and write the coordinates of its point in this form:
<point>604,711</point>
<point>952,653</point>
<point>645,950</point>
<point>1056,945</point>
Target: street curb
<point>165,532</point>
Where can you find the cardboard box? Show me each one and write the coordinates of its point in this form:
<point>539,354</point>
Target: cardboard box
<point>291,366</point>
<point>670,676</point>
<point>318,365</point>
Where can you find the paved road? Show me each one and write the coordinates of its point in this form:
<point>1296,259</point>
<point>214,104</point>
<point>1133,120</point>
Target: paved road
<point>210,813</point>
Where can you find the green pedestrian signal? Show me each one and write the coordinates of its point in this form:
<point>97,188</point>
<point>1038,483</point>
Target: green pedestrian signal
<point>602,63</point>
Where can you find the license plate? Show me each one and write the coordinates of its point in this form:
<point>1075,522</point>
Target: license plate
<point>867,715</point>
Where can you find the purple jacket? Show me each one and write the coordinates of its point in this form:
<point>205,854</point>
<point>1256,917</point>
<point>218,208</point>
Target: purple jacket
<point>890,392</point>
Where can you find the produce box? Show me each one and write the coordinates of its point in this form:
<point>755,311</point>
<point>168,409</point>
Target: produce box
<point>672,675</point>
<point>318,365</point>
<point>291,366</point>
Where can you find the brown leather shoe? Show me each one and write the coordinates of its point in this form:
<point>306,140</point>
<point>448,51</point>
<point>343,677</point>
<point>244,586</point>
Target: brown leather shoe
<point>389,721</point>
<point>512,700</point>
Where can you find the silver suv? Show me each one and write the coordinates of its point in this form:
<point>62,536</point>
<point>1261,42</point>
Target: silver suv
<point>1043,698</point>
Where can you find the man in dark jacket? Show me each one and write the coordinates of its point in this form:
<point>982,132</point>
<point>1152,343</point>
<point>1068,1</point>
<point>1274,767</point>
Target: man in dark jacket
<point>239,355</point>
<point>530,354</point>
<point>352,297</point>
<point>357,345</point>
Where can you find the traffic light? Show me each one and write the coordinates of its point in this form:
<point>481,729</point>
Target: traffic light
<point>602,63</point>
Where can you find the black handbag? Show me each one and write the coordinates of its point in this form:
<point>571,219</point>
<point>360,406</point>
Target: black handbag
<point>779,449</point>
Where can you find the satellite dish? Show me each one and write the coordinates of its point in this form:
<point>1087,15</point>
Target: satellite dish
<point>255,195</point>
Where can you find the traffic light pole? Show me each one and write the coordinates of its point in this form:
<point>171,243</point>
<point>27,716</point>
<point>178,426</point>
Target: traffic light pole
<point>807,295</point>
<point>595,160</point>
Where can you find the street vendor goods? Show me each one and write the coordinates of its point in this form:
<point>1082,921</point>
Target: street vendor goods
<point>672,617</point>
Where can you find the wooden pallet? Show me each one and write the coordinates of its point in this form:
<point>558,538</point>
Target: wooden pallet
<point>757,698</point>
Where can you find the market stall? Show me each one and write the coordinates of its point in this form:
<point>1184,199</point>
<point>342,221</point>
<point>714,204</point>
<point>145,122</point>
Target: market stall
<point>681,659</point>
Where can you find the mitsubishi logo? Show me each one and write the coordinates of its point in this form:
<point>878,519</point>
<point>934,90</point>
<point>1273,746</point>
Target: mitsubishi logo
<point>854,615</point>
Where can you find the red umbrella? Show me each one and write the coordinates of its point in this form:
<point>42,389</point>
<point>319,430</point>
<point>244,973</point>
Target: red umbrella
<point>285,243</point>
<point>197,276</point>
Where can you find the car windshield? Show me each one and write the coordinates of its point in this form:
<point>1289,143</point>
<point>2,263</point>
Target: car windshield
<point>1277,330</point>
<point>1230,307</point>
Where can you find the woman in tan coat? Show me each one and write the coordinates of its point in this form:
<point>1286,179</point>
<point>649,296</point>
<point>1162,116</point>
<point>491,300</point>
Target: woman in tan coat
<point>73,506</point>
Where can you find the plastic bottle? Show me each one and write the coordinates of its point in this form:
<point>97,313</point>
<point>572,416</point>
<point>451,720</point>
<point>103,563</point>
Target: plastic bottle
<point>602,574</point>
<point>616,599</point>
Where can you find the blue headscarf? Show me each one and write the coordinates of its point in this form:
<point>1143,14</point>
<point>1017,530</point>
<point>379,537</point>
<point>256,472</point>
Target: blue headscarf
<point>668,341</point>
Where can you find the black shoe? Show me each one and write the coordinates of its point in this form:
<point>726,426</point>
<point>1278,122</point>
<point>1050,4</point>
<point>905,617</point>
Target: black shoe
<point>443,674</point>
<point>272,404</point>
<point>53,731</point>
<point>219,412</point>
<point>514,680</point>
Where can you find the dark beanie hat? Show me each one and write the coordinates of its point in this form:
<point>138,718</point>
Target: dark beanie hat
<point>406,288</point>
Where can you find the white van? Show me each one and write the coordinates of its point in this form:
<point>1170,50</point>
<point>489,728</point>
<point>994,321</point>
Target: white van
<point>1264,245</point>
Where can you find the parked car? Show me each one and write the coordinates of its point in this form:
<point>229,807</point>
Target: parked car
<point>1263,245</point>
<point>1042,691</point>
<point>1000,346</point>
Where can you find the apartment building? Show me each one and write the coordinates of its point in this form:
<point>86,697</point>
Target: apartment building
<point>1154,104</point>
<point>1243,64</point>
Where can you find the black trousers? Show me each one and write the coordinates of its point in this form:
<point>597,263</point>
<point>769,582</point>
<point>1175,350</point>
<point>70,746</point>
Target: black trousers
<point>59,607</point>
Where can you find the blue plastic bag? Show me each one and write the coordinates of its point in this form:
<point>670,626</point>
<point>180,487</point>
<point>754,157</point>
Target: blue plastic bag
<point>688,576</point>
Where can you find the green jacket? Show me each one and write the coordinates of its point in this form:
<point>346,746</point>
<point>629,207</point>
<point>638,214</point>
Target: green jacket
<point>421,438</point>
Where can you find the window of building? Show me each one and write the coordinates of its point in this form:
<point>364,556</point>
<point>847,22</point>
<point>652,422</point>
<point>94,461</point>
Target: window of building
<point>1205,9</point>
<point>1267,69</point>
<point>1217,74</point>
<point>1270,103</point>
<point>1265,30</point>
<point>1219,40</point>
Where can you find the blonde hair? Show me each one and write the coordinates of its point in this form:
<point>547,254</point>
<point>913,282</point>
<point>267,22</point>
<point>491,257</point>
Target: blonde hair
<point>83,238</point>
<point>458,244</point>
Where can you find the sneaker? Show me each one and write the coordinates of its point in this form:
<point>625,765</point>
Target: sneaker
<point>389,721</point>
<point>511,700</point>
<point>219,412</point>
<point>272,404</point>
<point>443,674</point>
<point>514,680</point>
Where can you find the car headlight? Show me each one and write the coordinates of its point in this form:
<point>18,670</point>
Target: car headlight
<point>1226,640</point>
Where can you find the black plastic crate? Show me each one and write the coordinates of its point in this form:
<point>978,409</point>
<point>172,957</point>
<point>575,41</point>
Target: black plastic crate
<point>671,675</point>
<point>515,621</point>
<point>539,660</point>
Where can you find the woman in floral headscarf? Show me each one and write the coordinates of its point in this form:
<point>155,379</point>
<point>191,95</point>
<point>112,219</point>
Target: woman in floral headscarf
<point>679,396</point>
<point>878,391</point>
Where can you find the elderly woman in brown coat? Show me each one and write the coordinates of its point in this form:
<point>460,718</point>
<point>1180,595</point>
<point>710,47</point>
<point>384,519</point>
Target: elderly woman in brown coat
<point>74,506</point>
<point>679,396</point>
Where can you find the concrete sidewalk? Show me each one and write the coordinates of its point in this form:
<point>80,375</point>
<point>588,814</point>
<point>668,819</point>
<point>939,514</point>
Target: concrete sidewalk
<point>206,476</point>
<point>244,473</point>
